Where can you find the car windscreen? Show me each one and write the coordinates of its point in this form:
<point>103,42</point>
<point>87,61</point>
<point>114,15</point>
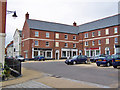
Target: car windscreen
<point>116,56</point>
<point>74,57</point>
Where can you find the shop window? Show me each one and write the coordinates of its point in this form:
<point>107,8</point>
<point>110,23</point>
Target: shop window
<point>35,53</point>
<point>49,54</point>
<point>87,53</point>
<point>63,53</point>
<point>74,53</point>
<point>97,52</point>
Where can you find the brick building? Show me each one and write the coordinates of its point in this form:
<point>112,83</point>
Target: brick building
<point>55,40</point>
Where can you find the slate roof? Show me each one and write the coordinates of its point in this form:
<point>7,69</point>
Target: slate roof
<point>98,24</point>
<point>51,26</point>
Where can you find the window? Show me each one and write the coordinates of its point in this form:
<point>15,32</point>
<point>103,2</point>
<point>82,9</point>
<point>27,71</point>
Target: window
<point>97,52</point>
<point>23,35</point>
<point>35,53</point>
<point>107,31</point>
<point>57,44</point>
<point>99,42</point>
<point>74,37</point>
<point>93,43</point>
<point>86,43</point>
<point>47,35</point>
<point>49,54</point>
<point>57,35</point>
<point>26,55</point>
<point>87,53</point>
<point>86,35</point>
<point>47,43</point>
<point>107,41</point>
<point>36,43</point>
<point>66,36</point>
<point>116,40</point>
<point>66,44</point>
<point>93,34</point>
<point>99,33</point>
<point>63,53</point>
<point>23,44</point>
<point>36,34</point>
<point>115,30</point>
<point>74,45</point>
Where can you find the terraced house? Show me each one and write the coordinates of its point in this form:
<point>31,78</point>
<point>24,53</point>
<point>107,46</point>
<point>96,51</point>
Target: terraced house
<point>56,41</point>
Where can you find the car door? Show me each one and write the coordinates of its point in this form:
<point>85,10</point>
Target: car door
<point>78,59</point>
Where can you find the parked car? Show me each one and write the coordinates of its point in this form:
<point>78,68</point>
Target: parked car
<point>107,61</point>
<point>76,60</point>
<point>20,58</point>
<point>39,58</point>
<point>94,58</point>
<point>116,60</point>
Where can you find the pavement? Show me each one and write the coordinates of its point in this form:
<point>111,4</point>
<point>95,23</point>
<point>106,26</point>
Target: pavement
<point>34,79</point>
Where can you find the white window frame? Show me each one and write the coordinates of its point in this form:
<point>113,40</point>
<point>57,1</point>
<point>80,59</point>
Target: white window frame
<point>93,34</point>
<point>46,44</point>
<point>99,43</point>
<point>66,44</point>
<point>57,35</point>
<point>93,43</point>
<point>107,40</point>
<point>115,30</point>
<point>37,43</point>
<point>66,35</point>
<point>74,38</point>
<point>56,44</point>
<point>36,34</point>
<point>115,40</point>
<point>74,44</point>
<point>47,34</point>
<point>107,31</point>
<point>86,35</point>
<point>86,43</point>
<point>99,33</point>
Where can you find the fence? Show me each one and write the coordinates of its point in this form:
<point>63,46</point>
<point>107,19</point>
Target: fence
<point>14,65</point>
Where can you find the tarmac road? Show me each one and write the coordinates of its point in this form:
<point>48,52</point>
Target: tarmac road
<point>107,76</point>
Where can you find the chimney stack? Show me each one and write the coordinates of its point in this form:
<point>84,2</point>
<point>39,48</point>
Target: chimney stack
<point>27,16</point>
<point>74,24</point>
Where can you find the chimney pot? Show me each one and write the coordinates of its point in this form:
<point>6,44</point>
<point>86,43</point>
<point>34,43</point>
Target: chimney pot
<point>74,24</point>
<point>27,16</point>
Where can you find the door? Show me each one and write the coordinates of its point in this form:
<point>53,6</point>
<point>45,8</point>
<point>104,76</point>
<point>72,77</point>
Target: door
<point>57,56</point>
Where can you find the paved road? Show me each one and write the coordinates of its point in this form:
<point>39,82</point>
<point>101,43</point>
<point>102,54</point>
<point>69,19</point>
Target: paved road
<point>107,76</point>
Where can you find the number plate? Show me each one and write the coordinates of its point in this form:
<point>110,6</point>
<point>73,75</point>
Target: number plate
<point>99,60</point>
<point>117,60</point>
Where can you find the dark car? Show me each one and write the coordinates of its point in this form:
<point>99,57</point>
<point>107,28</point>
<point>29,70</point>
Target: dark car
<point>39,58</point>
<point>116,60</point>
<point>9,57</point>
<point>20,58</point>
<point>94,58</point>
<point>76,60</point>
<point>107,61</point>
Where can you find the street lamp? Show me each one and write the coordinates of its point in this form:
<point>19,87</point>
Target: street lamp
<point>14,13</point>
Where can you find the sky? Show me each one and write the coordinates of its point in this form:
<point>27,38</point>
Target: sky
<point>60,11</point>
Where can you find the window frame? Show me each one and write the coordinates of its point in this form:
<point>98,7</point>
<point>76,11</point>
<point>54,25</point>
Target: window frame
<point>37,42</point>
<point>57,35</point>
<point>93,34</point>
<point>66,45</point>
<point>86,35</point>
<point>74,38</point>
<point>115,30</point>
<point>46,44</point>
<point>36,35</point>
<point>107,41</point>
<point>47,35</point>
<point>86,43</point>
<point>99,33</point>
<point>107,31</point>
<point>65,37</point>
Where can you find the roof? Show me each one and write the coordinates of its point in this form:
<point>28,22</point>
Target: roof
<point>57,27</point>
<point>51,26</point>
<point>98,24</point>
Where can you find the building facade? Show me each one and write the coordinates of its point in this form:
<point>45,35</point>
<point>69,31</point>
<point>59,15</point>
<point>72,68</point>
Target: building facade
<point>56,41</point>
<point>17,43</point>
<point>9,49</point>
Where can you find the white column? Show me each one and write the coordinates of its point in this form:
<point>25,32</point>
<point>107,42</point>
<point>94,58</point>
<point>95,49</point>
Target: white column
<point>32,52</point>
<point>89,53</point>
<point>45,54</point>
<point>38,52</point>
<point>2,47</point>
<point>95,52</point>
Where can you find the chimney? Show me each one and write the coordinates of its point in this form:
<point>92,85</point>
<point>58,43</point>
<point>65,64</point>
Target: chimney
<point>74,24</point>
<point>26,16</point>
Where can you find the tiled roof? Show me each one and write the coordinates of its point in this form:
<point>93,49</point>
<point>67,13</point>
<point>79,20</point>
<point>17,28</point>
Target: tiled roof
<point>98,24</point>
<point>50,26</point>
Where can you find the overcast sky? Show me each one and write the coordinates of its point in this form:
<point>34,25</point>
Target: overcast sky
<point>60,11</point>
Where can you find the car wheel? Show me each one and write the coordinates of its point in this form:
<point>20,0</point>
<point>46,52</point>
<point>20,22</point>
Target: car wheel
<point>86,62</point>
<point>108,64</point>
<point>74,62</point>
<point>115,66</point>
<point>98,65</point>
